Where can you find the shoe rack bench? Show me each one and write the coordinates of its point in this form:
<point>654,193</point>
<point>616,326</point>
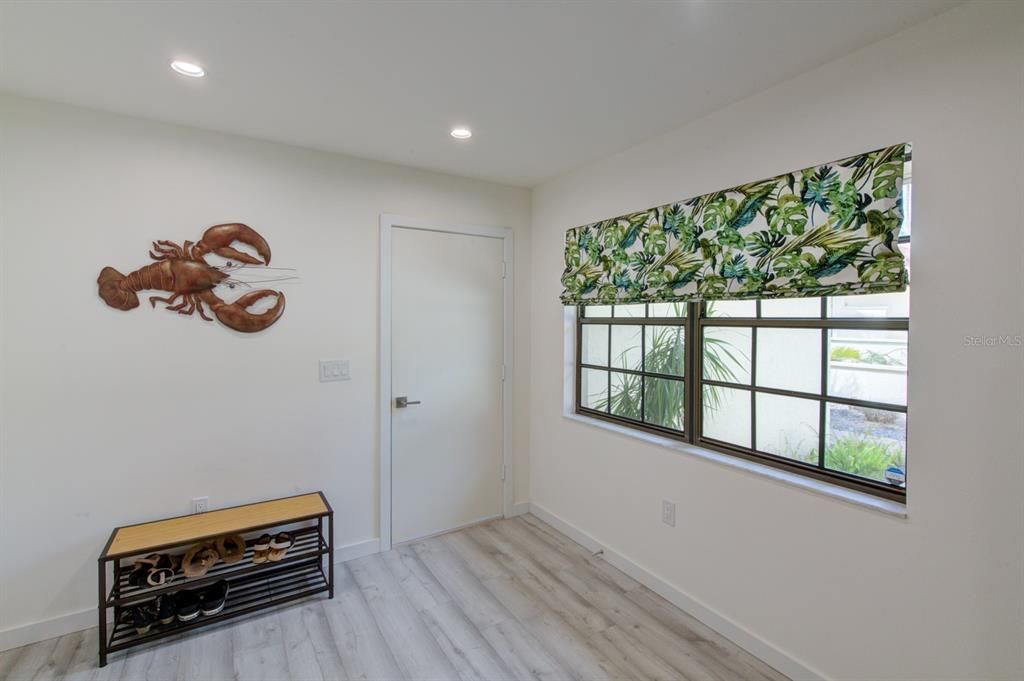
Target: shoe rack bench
<point>252,587</point>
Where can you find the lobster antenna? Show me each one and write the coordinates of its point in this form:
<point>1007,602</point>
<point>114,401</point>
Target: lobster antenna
<point>267,281</point>
<point>244,282</point>
<point>233,266</point>
<point>268,267</point>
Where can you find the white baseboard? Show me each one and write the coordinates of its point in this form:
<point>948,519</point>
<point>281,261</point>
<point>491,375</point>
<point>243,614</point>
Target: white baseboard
<point>519,509</point>
<point>15,637</point>
<point>356,550</point>
<point>747,640</point>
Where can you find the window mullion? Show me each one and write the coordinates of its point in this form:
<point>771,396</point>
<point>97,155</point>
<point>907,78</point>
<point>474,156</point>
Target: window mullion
<point>609,364</point>
<point>823,404</point>
<point>753,382</point>
<point>694,344</point>
<point>643,365</point>
<point>753,376</point>
<point>822,410</point>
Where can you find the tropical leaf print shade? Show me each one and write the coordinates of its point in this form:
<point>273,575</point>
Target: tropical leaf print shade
<point>829,230</point>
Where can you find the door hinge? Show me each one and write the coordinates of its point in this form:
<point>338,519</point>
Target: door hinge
<point>504,269</point>
<point>502,372</point>
<point>503,471</point>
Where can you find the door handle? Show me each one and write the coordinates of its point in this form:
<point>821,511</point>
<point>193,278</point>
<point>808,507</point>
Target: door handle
<point>403,402</point>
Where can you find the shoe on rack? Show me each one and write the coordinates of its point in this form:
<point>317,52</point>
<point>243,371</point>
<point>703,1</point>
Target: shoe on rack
<point>261,549</point>
<point>231,548</point>
<point>164,569</point>
<point>280,545</point>
<point>213,598</point>
<point>140,570</point>
<point>139,617</point>
<point>156,569</point>
<point>186,605</point>
<point>199,559</point>
<point>166,611</point>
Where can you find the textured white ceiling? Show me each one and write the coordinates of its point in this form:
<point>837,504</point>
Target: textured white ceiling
<point>545,86</point>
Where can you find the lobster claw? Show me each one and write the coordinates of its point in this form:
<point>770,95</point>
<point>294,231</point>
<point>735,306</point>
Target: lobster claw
<point>218,239</point>
<point>237,316</point>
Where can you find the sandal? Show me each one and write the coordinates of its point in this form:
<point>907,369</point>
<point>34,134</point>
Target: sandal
<point>140,570</point>
<point>261,549</point>
<point>199,559</point>
<point>154,570</point>
<point>231,548</point>
<point>280,545</point>
<point>163,571</point>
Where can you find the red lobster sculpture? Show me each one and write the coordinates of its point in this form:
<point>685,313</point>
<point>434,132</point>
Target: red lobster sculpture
<point>183,271</point>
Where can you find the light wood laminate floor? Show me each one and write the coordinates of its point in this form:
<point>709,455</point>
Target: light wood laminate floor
<point>509,599</point>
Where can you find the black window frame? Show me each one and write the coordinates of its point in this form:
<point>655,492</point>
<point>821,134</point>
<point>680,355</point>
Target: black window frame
<point>694,325</point>
<point>643,322</point>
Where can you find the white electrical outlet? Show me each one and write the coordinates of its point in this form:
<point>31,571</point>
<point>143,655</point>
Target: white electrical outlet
<point>668,512</point>
<point>200,504</point>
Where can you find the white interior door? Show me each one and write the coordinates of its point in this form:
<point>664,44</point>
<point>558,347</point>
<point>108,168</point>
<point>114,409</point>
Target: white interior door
<point>447,314</point>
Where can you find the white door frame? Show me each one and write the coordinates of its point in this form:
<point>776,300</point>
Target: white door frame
<point>388,223</point>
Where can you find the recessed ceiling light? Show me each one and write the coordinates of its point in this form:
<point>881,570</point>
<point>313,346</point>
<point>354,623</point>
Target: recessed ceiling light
<point>187,68</point>
<point>462,133</point>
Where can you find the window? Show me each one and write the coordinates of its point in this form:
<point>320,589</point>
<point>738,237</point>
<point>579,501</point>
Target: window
<point>633,363</point>
<point>812,385</point>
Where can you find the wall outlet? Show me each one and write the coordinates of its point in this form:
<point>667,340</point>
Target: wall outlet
<point>201,504</point>
<point>334,370</point>
<point>668,512</point>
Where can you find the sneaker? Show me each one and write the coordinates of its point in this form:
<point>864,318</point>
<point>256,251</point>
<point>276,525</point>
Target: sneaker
<point>186,605</point>
<point>138,617</point>
<point>213,598</point>
<point>165,609</point>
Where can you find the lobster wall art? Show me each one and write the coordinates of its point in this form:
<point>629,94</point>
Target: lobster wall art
<point>184,272</point>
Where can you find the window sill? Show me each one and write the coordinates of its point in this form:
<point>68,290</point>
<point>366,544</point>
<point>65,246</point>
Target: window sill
<point>885,506</point>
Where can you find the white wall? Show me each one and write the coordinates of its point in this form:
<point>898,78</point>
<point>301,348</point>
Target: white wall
<point>115,417</point>
<point>847,591</point>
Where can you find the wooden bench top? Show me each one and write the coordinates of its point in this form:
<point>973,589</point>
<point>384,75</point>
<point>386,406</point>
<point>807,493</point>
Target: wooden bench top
<point>144,537</point>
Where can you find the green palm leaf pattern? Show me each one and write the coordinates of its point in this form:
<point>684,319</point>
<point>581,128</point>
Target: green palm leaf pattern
<point>826,230</point>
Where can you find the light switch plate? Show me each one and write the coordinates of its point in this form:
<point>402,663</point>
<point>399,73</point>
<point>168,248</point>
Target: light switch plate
<point>334,370</point>
<point>668,513</point>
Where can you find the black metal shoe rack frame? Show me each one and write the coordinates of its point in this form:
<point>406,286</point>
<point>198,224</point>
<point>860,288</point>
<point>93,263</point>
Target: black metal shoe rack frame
<point>300,574</point>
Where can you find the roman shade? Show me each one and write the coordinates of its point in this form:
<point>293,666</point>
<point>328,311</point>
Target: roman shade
<point>828,230</point>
